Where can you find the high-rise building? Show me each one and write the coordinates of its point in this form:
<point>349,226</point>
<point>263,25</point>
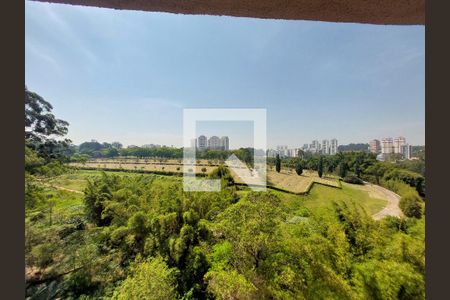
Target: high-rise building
<point>375,146</point>
<point>297,152</point>
<point>225,143</point>
<point>325,147</point>
<point>406,151</point>
<point>202,143</point>
<point>387,146</point>
<point>315,146</point>
<point>398,143</point>
<point>214,143</point>
<point>333,146</point>
<point>283,150</point>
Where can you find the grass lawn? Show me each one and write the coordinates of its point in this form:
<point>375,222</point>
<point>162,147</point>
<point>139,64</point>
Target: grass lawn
<point>142,165</point>
<point>322,197</point>
<point>290,181</point>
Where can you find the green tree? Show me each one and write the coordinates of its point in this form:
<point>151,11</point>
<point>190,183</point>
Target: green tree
<point>229,284</point>
<point>320,167</point>
<point>41,128</point>
<point>96,195</point>
<point>151,279</point>
<point>299,168</point>
<point>411,205</point>
<point>343,168</point>
<point>278,163</point>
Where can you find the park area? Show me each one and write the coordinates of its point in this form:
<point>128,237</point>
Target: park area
<point>319,195</point>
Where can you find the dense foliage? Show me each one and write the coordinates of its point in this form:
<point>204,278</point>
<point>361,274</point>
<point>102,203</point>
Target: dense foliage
<point>143,237</point>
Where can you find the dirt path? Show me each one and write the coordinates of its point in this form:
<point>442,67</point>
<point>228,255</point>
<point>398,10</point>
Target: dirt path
<point>61,188</point>
<point>376,191</point>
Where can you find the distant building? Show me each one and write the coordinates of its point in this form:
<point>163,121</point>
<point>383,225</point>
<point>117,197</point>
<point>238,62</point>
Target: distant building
<point>202,143</point>
<point>283,151</point>
<point>406,151</point>
<point>390,146</point>
<point>387,146</point>
<point>314,147</point>
<point>375,146</point>
<point>214,143</point>
<point>333,146</point>
<point>326,147</point>
<point>381,157</point>
<point>296,152</point>
<point>272,153</point>
<point>398,143</point>
<point>225,143</point>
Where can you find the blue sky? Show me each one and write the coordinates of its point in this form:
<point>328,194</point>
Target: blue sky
<point>127,75</point>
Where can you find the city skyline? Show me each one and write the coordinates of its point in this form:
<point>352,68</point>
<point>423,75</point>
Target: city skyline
<point>126,76</point>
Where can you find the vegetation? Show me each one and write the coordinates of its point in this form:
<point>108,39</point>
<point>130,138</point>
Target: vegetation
<point>411,205</point>
<point>117,235</point>
<point>320,167</point>
<point>353,179</point>
<point>147,233</point>
<point>299,169</point>
<point>278,163</point>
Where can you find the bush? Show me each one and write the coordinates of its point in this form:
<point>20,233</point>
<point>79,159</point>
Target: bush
<point>411,205</point>
<point>353,179</point>
<point>299,169</point>
<point>151,279</point>
<point>412,179</point>
<point>43,254</point>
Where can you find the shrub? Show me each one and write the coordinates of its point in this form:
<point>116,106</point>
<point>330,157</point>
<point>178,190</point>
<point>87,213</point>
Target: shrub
<point>151,279</point>
<point>299,169</point>
<point>411,205</point>
<point>353,179</point>
<point>43,254</point>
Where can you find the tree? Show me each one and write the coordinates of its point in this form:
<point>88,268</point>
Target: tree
<point>251,227</point>
<point>299,168</point>
<point>320,167</point>
<point>41,126</point>
<point>229,284</point>
<point>278,163</point>
<point>411,205</point>
<point>116,145</point>
<point>343,168</point>
<point>377,170</point>
<point>152,279</point>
